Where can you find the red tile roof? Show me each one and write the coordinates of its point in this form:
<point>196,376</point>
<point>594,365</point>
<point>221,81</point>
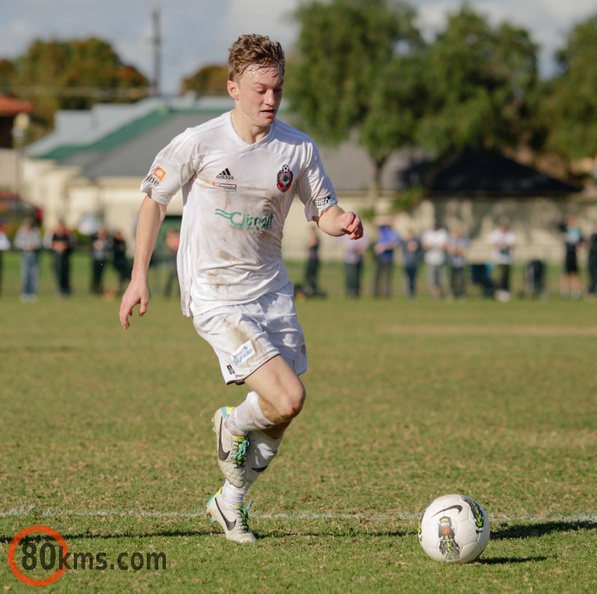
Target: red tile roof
<point>10,106</point>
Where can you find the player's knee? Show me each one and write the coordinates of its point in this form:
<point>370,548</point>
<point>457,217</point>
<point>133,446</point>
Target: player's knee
<point>292,403</point>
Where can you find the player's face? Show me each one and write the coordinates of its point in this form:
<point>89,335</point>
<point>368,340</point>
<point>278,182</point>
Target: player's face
<point>258,93</point>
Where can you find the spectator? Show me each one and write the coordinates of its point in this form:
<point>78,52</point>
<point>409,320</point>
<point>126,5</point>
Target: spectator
<point>311,288</point>
<point>411,255</point>
<point>101,245</point>
<point>172,243</point>
<point>435,243</point>
<point>29,241</point>
<point>120,261</point>
<point>354,257</point>
<point>62,243</point>
<point>502,240</point>
<point>458,245</point>
<point>4,246</point>
<point>572,237</point>
<point>387,242</point>
<point>592,263</point>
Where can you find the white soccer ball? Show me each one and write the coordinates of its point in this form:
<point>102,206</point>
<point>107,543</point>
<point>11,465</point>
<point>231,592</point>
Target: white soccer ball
<point>454,529</point>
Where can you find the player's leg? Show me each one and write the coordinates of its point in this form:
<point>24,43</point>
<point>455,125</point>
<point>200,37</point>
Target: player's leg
<point>260,344</point>
<point>258,425</point>
<point>279,397</point>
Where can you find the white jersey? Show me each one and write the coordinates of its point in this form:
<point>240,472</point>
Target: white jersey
<point>502,241</point>
<point>435,242</point>
<point>236,197</point>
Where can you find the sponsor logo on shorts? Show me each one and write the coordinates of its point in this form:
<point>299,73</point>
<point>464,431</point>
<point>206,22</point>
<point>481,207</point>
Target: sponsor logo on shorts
<point>244,352</point>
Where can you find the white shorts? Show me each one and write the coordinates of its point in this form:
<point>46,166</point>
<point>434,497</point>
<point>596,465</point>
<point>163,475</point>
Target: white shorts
<point>246,336</point>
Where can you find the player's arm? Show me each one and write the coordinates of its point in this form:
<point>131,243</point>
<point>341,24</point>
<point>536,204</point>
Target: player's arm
<point>151,215</point>
<point>334,221</point>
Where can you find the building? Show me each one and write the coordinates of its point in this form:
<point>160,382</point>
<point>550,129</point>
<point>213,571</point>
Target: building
<point>92,164</point>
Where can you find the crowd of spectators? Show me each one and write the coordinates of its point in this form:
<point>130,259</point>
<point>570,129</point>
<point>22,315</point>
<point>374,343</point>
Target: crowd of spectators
<point>443,253</point>
<point>60,242</point>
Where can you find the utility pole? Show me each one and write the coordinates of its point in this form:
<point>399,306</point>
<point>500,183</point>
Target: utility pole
<point>156,42</point>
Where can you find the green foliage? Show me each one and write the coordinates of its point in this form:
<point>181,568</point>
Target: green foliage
<point>7,73</point>
<point>408,199</point>
<point>570,108</point>
<point>342,51</point>
<point>209,81</point>
<point>363,65</point>
<point>482,85</point>
<point>74,74</point>
<point>396,107</point>
<point>347,74</point>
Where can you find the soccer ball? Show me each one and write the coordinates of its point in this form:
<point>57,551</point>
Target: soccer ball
<point>454,529</point>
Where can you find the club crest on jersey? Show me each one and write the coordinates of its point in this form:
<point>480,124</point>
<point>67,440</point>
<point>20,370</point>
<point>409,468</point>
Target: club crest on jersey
<point>284,179</point>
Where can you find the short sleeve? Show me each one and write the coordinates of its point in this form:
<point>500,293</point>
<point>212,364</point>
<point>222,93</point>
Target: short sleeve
<point>314,187</point>
<point>173,167</point>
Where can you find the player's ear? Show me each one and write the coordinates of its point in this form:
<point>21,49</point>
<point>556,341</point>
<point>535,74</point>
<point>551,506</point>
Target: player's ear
<point>232,87</point>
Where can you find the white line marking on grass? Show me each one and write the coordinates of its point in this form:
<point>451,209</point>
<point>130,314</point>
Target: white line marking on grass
<point>31,510</point>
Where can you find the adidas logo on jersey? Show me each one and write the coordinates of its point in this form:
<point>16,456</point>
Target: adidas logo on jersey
<point>225,174</point>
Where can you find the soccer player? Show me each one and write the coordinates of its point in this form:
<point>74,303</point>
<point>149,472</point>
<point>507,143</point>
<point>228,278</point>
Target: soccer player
<point>239,173</point>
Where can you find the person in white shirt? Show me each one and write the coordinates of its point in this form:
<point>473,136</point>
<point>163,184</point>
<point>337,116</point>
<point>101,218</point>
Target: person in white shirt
<point>435,244</point>
<point>4,247</point>
<point>239,173</point>
<point>502,240</point>
<point>29,240</point>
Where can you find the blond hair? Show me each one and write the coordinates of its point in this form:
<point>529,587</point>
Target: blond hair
<point>254,50</point>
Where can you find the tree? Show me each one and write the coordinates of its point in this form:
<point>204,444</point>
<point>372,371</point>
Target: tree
<point>209,81</point>
<point>74,74</point>
<point>482,86</point>
<point>337,83</point>
<point>7,73</point>
<point>570,107</point>
<point>396,108</point>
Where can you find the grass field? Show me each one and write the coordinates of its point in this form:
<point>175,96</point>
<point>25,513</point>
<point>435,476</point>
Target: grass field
<point>106,438</point>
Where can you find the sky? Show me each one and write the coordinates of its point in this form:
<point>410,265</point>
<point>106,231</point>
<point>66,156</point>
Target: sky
<point>196,33</point>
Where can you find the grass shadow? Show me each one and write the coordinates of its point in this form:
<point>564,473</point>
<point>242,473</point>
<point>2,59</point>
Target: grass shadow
<point>540,529</point>
<point>510,560</point>
<point>70,536</point>
<point>322,533</point>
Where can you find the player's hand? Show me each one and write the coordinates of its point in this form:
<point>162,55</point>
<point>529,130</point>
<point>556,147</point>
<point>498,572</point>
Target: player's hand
<point>137,293</point>
<point>350,224</point>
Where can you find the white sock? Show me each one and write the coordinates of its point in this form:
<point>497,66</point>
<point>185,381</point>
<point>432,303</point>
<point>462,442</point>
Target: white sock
<point>260,453</point>
<point>234,495</point>
<point>247,416</point>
